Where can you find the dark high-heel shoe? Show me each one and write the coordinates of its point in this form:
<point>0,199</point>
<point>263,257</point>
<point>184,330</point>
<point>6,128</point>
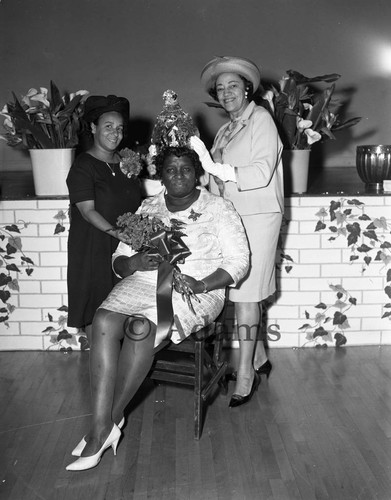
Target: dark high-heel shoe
<point>238,400</point>
<point>265,369</point>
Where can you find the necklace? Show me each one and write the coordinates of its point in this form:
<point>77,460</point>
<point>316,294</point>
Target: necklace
<point>111,170</point>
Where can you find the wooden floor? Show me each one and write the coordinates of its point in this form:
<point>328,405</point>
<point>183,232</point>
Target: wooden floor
<point>320,428</point>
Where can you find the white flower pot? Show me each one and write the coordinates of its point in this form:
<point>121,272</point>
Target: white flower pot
<point>295,163</point>
<point>151,187</point>
<point>50,170</point>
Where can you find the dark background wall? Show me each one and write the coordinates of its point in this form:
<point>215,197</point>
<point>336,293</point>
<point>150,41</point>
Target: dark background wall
<point>139,48</point>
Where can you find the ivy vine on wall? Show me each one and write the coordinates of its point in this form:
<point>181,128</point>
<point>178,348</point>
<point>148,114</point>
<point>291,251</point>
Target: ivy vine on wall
<point>9,268</point>
<point>331,321</point>
<point>61,339</point>
<point>367,238</point>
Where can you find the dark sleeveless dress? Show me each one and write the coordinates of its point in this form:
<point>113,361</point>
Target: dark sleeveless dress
<point>90,276</point>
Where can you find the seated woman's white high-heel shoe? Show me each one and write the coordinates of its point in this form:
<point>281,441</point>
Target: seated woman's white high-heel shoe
<point>84,463</point>
<point>78,450</point>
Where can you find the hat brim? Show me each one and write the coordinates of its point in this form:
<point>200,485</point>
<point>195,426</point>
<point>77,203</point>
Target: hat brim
<point>95,106</point>
<point>227,64</point>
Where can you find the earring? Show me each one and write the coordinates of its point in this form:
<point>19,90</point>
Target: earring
<point>246,94</point>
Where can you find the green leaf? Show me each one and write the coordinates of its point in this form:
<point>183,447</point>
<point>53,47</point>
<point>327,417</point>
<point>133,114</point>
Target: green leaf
<point>340,339</point>
<point>301,79</point>
<point>59,228</point>
<point>12,267</point>
<point>334,206</point>
<point>381,223</point>
<point>339,318</point>
<point>48,329</point>
<point>11,249</point>
<point>4,279</point>
<point>55,102</point>
<point>13,228</point>
<point>27,259</point>
<point>23,122</point>
<point>371,235</point>
<point>367,260</point>
<point>337,288</point>
<point>364,248</point>
<point>13,285</point>
<point>63,335</point>
<point>347,123</point>
<point>4,295</point>
<point>354,231</point>
<point>16,242</point>
<point>320,332</point>
<point>320,225</point>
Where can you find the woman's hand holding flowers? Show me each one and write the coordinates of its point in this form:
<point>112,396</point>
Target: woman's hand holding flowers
<point>195,286</point>
<point>223,171</point>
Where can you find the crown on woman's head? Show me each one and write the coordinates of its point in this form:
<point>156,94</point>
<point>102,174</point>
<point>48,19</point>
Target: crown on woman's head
<point>173,126</point>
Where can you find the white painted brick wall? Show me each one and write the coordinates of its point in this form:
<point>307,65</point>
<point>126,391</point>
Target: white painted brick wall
<point>318,263</point>
<point>45,290</point>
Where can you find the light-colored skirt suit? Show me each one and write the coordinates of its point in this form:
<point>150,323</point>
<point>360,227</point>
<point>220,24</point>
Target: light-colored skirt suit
<point>254,148</point>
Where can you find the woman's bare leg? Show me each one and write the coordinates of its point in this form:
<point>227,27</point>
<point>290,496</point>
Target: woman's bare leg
<point>134,363</point>
<point>260,356</point>
<point>107,333</point>
<point>248,318</point>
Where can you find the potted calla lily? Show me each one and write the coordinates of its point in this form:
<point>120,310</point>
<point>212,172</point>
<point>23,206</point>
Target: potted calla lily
<point>304,115</point>
<point>46,123</point>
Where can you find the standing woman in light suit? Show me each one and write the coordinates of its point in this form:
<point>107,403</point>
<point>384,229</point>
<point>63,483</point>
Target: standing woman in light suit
<point>246,169</point>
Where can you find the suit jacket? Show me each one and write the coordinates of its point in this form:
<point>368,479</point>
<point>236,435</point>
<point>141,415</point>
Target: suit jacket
<point>255,151</point>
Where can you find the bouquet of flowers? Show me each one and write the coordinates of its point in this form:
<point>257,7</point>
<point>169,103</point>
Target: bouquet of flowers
<point>303,115</point>
<point>149,234</point>
<point>131,162</point>
<point>40,121</point>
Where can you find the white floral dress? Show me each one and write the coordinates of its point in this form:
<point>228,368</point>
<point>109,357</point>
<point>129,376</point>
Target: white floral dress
<point>216,238</point>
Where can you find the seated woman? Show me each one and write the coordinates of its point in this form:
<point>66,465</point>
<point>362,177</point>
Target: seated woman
<point>124,327</point>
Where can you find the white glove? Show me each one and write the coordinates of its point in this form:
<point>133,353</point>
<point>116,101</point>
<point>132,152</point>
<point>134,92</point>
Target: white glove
<point>223,171</point>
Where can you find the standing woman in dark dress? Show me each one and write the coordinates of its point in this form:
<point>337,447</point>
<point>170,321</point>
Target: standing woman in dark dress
<point>99,192</point>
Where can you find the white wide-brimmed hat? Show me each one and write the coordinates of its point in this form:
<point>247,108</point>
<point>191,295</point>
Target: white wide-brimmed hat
<point>228,64</point>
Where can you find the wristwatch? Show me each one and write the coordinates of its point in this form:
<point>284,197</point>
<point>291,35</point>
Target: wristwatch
<point>205,289</point>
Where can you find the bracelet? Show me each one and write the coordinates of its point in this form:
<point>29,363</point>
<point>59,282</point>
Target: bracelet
<point>205,290</point>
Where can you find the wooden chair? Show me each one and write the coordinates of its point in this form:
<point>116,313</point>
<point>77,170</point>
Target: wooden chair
<point>196,361</point>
